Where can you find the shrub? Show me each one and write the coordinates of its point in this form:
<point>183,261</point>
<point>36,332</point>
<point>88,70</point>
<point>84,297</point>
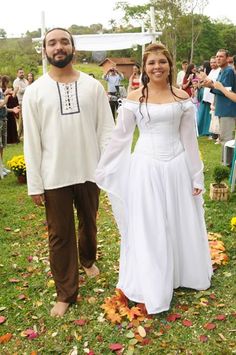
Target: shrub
<point>220,173</point>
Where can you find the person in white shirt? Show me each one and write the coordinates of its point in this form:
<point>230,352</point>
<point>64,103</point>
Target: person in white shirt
<point>181,74</point>
<point>67,123</point>
<point>19,85</point>
<point>113,78</point>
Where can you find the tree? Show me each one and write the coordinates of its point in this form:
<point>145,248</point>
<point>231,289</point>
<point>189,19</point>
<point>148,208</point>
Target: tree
<point>3,33</point>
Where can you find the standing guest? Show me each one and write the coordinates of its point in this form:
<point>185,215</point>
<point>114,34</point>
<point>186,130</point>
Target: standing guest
<point>156,191</point>
<point>4,97</point>
<point>30,78</point>
<point>190,74</point>
<point>209,98</point>
<point>20,84</point>
<point>225,109</point>
<point>113,78</point>
<point>181,74</point>
<point>67,124</point>
<point>13,110</point>
<point>135,78</point>
<point>206,99</point>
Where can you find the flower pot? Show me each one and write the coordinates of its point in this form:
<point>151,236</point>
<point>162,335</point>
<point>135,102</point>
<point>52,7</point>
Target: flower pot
<point>219,192</point>
<point>21,179</point>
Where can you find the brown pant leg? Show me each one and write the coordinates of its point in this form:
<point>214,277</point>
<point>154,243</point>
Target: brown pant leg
<point>63,251</point>
<point>87,201</point>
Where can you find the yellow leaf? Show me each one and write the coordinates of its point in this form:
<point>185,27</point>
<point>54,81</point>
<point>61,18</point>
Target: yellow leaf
<point>141,331</point>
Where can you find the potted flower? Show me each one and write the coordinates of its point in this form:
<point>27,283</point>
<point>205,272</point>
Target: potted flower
<point>219,190</point>
<point>17,165</point>
<point>233,224</point>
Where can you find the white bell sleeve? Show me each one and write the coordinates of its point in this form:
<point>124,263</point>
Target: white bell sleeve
<point>189,140</point>
<point>113,169</point>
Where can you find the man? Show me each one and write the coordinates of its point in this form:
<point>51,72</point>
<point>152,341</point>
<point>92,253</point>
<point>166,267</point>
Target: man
<point>113,78</point>
<point>209,97</point>
<point>181,74</point>
<point>68,122</point>
<point>225,109</point>
<point>20,84</point>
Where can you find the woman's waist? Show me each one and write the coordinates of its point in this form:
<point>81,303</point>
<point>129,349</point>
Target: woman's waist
<point>159,149</point>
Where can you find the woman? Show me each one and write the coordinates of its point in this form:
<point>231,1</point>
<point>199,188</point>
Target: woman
<point>12,111</point>
<point>156,191</point>
<point>30,78</point>
<point>189,76</point>
<point>134,79</point>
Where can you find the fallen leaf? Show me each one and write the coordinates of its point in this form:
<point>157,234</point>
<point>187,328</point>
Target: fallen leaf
<point>130,335</point>
<point>5,338</point>
<point>187,323</point>
<point>80,322</point>
<point>173,317</point>
<point>115,346</point>
<point>14,280</point>
<point>209,326</point>
<point>221,317</point>
<point>2,319</point>
<point>203,338</point>
<point>141,331</point>
<point>222,336</point>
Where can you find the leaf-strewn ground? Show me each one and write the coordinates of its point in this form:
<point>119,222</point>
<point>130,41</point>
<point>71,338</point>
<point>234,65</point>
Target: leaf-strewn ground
<point>197,323</point>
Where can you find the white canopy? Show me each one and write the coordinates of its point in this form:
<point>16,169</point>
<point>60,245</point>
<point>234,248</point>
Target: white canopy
<point>113,41</point>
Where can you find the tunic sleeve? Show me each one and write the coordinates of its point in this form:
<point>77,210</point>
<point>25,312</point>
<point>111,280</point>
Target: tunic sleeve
<point>190,143</point>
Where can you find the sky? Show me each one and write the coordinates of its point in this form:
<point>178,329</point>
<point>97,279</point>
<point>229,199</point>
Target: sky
<point>20,16</point>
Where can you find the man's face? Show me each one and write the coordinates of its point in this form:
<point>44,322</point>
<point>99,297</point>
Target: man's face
<point>58,49</point>
<point>221,59</point>
<point>21,74</point>
<point>213,64</point>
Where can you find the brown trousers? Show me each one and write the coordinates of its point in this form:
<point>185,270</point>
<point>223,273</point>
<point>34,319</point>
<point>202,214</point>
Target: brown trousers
<point>63,245</point>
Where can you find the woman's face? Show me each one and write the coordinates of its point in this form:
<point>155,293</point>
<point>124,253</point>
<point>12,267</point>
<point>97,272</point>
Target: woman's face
<point>30,77</point>
<point>157,67</point>
<point>135,69</point>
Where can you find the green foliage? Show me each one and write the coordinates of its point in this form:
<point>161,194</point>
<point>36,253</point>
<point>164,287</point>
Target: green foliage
<point>17,53</point>
<point>220,173</point>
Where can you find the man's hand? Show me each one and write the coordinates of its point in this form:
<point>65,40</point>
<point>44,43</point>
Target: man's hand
<point>39,200</point>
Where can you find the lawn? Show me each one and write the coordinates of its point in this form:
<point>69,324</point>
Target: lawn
<point>197,323</point>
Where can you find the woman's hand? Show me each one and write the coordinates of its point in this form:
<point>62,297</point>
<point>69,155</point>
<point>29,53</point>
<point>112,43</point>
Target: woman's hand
<point>196,191</point>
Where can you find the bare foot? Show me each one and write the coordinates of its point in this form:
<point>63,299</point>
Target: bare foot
<point>59,309</point>
<point>91,271</point>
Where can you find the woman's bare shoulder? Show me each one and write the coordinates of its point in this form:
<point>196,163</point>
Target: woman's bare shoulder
<point>183,95</point>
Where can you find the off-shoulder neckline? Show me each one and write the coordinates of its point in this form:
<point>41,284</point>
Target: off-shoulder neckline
<point>159,104</point>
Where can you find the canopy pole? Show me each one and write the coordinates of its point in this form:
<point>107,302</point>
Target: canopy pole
<point>44,59</point>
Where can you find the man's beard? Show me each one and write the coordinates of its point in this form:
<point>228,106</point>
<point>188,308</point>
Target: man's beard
<point>62,62</point>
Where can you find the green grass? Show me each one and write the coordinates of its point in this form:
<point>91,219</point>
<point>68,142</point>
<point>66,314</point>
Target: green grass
<point>26,303</point>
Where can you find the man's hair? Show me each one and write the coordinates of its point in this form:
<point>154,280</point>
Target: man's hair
<point>184,62</point>
<point>225,51</point>
<point>61,29</point>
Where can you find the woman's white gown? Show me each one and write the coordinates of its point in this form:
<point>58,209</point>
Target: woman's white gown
<point>163,235</point>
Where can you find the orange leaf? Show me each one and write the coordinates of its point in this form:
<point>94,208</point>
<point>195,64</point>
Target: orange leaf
<point>5,338</point>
